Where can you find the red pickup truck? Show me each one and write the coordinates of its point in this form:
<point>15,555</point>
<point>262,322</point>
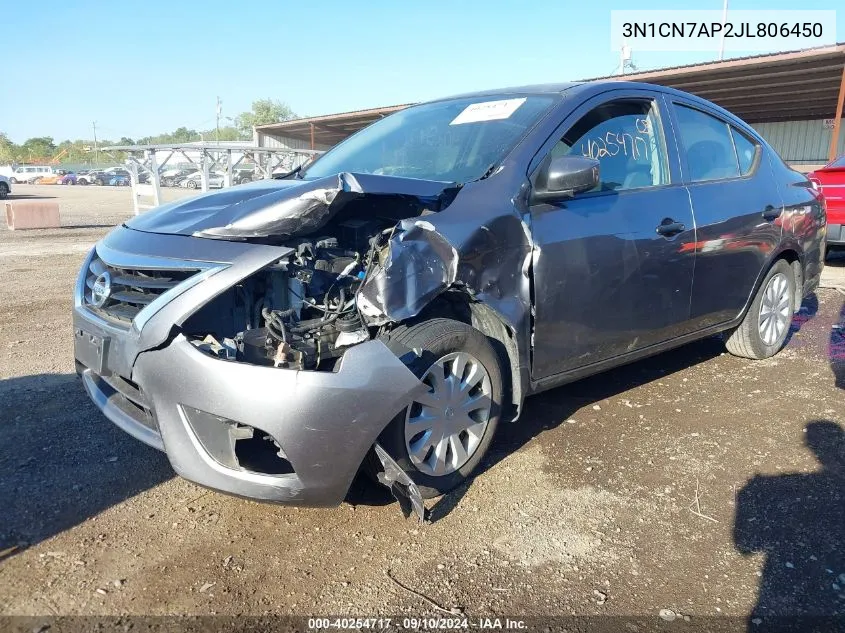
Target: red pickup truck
<point>831,182</point>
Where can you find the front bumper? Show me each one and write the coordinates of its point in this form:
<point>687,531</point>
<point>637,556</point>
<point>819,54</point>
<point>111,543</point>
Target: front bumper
<point>176,398</point>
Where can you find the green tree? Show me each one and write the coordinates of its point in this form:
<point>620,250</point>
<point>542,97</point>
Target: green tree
<point>8,150</point>
<point>227,133</point>
<point>39,147</point>
<point>263,111</point>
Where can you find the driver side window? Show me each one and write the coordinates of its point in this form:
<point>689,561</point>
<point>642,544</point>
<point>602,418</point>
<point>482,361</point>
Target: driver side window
<point>626,137</point>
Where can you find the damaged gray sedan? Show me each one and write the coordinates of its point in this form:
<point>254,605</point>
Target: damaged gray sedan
<point>388,306</point>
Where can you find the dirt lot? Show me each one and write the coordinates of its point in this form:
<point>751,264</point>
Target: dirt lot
<point>693,481</point>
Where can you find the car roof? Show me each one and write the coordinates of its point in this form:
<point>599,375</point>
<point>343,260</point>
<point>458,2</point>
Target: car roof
<point>581,88</point>
<point>587,89</point>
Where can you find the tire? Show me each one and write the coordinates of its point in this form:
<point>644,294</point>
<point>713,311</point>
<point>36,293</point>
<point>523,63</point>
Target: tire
<point>4,190</point>
<point>747,340</point>
<point>192,184</point>
<point>14,181</point>
<point>82,181</point>
<point>437,339</point>
<point>100,182</point>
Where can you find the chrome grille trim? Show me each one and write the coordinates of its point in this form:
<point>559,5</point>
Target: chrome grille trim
<point>132,289</point>
<point>141,285</point>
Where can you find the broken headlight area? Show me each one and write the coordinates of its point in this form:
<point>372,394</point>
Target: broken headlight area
<point>298,313</point>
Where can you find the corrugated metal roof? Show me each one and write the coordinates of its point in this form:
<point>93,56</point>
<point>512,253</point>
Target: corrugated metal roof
<point>328,129</point>
<point>762,56</point>
<point>793,85</point>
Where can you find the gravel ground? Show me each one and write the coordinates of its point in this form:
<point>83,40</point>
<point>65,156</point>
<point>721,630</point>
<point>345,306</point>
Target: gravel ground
<point>693,481</point>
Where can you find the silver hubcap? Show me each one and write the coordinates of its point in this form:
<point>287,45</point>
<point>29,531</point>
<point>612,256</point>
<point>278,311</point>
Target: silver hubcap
<point>774,310</point>
<point>444,426</point>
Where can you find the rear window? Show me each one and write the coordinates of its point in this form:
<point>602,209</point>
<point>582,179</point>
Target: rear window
<point>746,151</point>
<point>707,144</point>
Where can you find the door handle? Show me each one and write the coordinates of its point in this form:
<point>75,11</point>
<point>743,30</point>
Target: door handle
<point>770,213</point>
<point>669,227</point>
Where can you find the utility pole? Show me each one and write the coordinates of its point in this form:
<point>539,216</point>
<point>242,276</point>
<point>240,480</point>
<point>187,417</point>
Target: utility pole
<point>96,151</point>
<point>724,21</point>
<point>219,110</point>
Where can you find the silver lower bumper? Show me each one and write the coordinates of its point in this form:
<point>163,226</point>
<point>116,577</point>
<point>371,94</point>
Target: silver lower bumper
<point>185,402</point>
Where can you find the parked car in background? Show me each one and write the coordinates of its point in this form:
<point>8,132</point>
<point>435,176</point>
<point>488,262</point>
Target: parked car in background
<point>30,173</point>
<point>830,180</point>
<point>89,177</point>
<point>83,176</point>
<point>390,304</point>
<point>112,176</point>
<point>69,178</point>
<point>243,176</point>
<point>5,186</point>
<point>172,177</point>
<point>194,181</point>
<point>56,178</point>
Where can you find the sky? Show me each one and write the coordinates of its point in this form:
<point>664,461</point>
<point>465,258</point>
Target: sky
<point>143,68</point>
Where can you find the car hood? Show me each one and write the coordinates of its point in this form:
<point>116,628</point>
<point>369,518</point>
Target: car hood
<point>277,208</point>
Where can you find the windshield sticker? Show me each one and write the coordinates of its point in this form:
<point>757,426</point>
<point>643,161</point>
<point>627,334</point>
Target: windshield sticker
<point>488,111</point>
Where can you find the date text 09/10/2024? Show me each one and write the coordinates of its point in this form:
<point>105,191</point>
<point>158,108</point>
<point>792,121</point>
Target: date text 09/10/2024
<point>415,624</point>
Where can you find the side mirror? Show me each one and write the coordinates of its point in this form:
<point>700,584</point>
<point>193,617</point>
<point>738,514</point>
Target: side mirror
<point>565,176</point>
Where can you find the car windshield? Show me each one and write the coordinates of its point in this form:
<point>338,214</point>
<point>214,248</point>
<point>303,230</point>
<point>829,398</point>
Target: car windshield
<point>457,140</point>
<point>839,162</point>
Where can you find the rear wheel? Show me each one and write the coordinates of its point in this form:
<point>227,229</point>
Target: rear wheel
<point>4,190</point>
<point>442,436</point>
<point>765,327</point>
<point>14,181</point>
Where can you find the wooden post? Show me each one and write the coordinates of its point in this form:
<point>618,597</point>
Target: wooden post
<point>837,121</point>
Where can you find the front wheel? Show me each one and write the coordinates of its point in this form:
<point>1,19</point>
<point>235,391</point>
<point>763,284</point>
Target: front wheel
<point>442,436</point>
<point>765,327</point>
<point>4,190</point>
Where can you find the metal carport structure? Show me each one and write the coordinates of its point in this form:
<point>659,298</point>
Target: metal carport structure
<point>325,130</point>
<point>790,86</point>
<point>143,158</point>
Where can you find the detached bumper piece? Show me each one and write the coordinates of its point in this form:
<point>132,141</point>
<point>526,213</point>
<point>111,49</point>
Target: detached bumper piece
<point>402,487</point>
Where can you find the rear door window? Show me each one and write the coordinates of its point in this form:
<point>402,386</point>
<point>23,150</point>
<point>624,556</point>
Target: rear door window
<point>626,137</point>
<point>707,144</point>
<point>746,151</point>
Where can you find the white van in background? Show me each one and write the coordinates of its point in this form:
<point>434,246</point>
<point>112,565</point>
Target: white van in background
<point>25,173</point>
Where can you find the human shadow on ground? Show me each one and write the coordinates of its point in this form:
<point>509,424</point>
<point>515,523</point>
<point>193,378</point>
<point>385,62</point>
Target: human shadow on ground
<point>798,521</point>
<point>62,461</point>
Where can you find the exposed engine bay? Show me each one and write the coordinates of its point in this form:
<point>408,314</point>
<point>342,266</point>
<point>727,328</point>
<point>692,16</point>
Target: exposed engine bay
<point>363,257</point>
<point>301,312</point>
